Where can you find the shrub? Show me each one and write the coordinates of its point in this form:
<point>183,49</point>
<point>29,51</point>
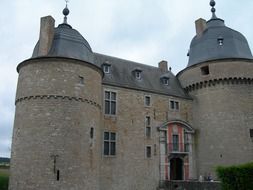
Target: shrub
<point>4,181</point>
<point>236,177</point>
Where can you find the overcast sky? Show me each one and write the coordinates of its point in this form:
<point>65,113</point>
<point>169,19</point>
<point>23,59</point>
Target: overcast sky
<point>145,31</point>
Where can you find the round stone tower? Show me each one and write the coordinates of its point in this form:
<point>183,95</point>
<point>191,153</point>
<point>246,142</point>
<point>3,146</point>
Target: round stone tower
<point>56,138</point>
<point>219,78</point>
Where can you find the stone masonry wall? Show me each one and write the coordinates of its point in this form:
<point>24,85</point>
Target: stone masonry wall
<point>55,110</point>
<point>130,169</point>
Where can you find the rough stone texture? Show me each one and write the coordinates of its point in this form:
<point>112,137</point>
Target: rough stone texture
<point>46,126</point>
<point>46,35</point>
<point>129,169</point>
<point>222,113</point>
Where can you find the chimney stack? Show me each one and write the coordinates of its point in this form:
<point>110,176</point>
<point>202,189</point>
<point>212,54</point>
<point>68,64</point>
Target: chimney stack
<point>200,25</point>
<point>46,35</point>
<point>163,65</point>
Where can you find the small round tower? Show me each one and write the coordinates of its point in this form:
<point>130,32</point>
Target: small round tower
<point>219,77</point>
<point>56,137</point>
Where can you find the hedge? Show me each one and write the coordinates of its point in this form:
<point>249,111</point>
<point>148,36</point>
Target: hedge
<point>236,177</point>
<point>4,180</point>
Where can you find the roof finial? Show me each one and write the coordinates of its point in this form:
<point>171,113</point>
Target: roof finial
<point>212,4</point>
<point>65,12</point>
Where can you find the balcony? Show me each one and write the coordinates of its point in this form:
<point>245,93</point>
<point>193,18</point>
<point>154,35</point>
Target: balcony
<point>178,147</point>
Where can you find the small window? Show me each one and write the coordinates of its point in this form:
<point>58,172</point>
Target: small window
<point>81,80</point>
<point>205,70</point>
<point>148,131</point>
<point>251,133</point>
<point>91,132</point>
<point>174,105</point>
<point>148,151</point>
<point>138,75</point>
<point>165,81</point>
<point>107,68</point>
<point>175,143</point>
<point>109,144</point>
<point>110,102</point>
<point>220,40</point>
<point>147,101</point>
<point>147,121</point>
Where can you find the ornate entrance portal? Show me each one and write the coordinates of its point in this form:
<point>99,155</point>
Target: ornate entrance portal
<point>176,169</point>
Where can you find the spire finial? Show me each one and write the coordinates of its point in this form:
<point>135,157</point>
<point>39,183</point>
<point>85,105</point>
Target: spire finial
<point>212,4</point>
<point>65,12</point>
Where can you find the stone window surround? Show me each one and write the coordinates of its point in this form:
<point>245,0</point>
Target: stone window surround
<point>148,126</point>
<point>109,141</point>
<point>174,102</point>
<point>145,100</point>
<point>148,155</point>
<point>116,101</point>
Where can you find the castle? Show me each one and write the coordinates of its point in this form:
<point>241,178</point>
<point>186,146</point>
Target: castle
<point>87,121</point>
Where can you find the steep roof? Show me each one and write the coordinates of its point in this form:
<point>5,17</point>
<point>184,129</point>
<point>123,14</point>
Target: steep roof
<point>122,75</point>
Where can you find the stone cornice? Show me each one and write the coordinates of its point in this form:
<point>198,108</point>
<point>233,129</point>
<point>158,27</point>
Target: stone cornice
<point>71,98</point>
<point>222,81</point>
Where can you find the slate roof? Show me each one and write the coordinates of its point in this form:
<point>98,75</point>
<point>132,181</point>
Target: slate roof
<point>206,47</point>
<point>68,42</point>
<point>122,75</point>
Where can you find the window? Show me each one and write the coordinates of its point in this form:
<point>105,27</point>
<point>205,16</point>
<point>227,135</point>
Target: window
<point>91,132</point>
<point>165,81</point>
<point>220,40</point>
<point>147,101</point>
<point>138,75</point>
<point>205,70</point>
<point>174,105</point>
<point>186,142</point>
<point>110,103</point>
<point>147,127</point>
<point>106,68</point>
<point>109,144</point>
<point>148,151</point>
<point>175,142</point>
<point>81,80</point>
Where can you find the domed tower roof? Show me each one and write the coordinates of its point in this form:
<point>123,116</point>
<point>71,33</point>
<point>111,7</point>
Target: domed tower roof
<point>67,42</point>
<point>217,41</point>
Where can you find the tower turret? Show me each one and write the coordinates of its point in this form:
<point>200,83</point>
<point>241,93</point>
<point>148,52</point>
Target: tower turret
<point>56,137</point>
<point>219,77</point>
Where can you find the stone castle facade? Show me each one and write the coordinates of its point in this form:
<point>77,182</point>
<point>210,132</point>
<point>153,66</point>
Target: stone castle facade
<point>95,122</point>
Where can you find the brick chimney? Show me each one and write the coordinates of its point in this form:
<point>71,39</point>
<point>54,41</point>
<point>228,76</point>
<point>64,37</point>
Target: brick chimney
<point>200,26</point>
<point>163,65</point>
<point>46,35</point>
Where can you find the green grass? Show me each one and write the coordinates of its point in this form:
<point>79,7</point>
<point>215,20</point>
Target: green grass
<point>4,179</point>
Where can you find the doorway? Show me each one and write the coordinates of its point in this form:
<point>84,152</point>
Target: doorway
<point>176,169</point>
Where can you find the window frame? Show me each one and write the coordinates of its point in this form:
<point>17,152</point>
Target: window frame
<point>110,100</point>
<point>175,103</point>
<point>147,96</point>
<point>107,68</point>
<point>148,127</point>
<point>110,141</point>
<point>146,152</point>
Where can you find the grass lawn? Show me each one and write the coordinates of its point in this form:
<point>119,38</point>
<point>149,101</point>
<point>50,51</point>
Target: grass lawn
<point>4,179</point>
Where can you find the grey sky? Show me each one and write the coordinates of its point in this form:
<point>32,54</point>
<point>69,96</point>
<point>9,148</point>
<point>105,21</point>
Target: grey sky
<point>145,31</point>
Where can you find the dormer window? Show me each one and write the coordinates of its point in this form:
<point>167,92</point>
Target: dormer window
<point>137,73</point>
<point>220,40</point>
<point>165,81</point>
<point>106,67</point>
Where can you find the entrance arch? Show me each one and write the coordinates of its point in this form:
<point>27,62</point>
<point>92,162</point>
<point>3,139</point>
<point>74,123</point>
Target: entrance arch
<point>176,169</point>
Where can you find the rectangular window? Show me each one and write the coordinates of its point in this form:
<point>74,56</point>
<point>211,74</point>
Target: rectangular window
<point>110,103</point>
<point>109,144</point>
<point>106,68</point>
<point>174,105</point>
<point>175,142</point>
<point>147,101</point>
<point>205,70</point>
<point>147,127</point>
<point>148,151</point>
